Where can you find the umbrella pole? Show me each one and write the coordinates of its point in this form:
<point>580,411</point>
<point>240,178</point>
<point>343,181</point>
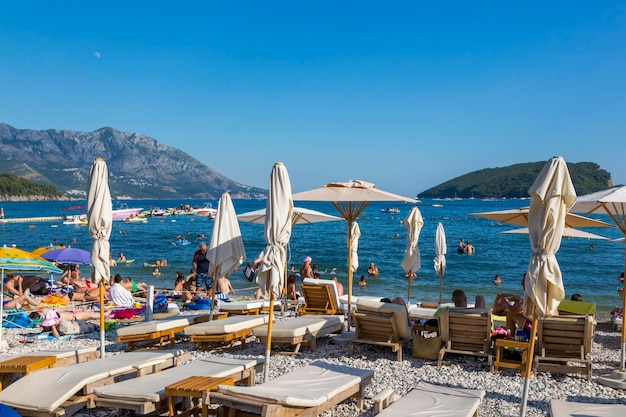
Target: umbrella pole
<point>268,342</point>
<point>102,324</point>
<point>440,287</point>
<point>529,366</point>
<point>217,271</point>
<point>408,301</point>
<point>349,273</point>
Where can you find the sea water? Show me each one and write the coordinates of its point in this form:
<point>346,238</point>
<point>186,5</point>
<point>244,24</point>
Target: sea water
<point>589,267</point>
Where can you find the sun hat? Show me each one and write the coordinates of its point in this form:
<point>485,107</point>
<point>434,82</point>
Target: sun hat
<point>50,319</point>
<point>307,259</point>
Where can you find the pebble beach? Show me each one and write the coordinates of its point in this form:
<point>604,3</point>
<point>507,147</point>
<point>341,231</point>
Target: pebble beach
<point>503,388</point>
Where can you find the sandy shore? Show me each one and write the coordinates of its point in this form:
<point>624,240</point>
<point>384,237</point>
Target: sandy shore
<point>503,388</point>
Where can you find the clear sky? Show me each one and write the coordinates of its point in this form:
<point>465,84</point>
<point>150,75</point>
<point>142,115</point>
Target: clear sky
<point>402,94</point>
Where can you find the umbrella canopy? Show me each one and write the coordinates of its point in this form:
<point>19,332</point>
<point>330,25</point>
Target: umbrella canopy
<point>519,217</point>
<point>567,232</point>
<point>613,203</point>
<point>226,251</point>
<point>552,195</point>
<point>68,256</point>
<point>100,221</point>
<point>277,232</point>
<point>412,263</point>
<point>441,249</point>
<point>14,260</point>
<point>300,216</point>
<point>350,198</point>
<point>355,234</point>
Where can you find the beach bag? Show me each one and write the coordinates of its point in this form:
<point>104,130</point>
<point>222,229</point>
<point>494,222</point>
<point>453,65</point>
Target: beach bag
<point>249,274</point>
<point>160,303</point>
<point>19,320</point>
<point>426,347</point>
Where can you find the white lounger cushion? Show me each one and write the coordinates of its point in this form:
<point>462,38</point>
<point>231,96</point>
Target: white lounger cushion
<point>242,305</point>
<point>308,386</point>
<point>399,314</point>
<point>155,326</point>
<point>560,408</point>
<point>230,324</point>
<point>59,353</point>
<point>47,389</point>
<point>303,325</point>
<point>152,387</point>
<point>331,284</point>
<point>434,400</point>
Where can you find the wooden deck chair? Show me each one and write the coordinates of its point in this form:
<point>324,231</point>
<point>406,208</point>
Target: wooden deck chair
<point>430,400</point>
<point>225,331</point>
<point>147,394</point>
<point>564,345</point>
<point>466,331</point>
<point>159,331</point>
<point>65,390</point>
<point>307,391</point>
<point>382,324</point>
<point>320,297</point>
<point>558,408</point>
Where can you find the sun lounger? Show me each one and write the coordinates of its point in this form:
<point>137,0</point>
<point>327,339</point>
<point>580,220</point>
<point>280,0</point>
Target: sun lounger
<point>466,332</point>
<point>429,400</point>
<point>147,394</point>
<point>65,356</point>
<point>228,330</point>
<point>306,391</point>
<point>564,345</point>
<point>65,390</point>
<point>247,307</point>
<point>303,330</point>
<point>354,299</point>
<point>320,297</point>
<point>157,330</point>
<point>558,408</point>
<point>382,324</point>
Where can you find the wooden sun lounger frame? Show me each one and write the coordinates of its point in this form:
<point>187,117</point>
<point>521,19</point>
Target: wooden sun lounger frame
<point>377,328</point>
<point>235,405</point>
<point>318,299</point>
<point>309,340</point>
<point>162,336</point>
<point>563,339</point>
<point>225,340</point>
<point>466,332</point>
<point>246,376</point>
<point>86,397</point>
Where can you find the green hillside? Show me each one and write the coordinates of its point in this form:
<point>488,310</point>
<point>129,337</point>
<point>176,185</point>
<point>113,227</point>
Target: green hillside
<point>11,185</point>
<point>514,181</point>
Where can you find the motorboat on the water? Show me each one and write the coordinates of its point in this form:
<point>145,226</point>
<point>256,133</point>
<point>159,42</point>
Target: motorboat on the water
<point>124,212</point>
<point>207,210</point>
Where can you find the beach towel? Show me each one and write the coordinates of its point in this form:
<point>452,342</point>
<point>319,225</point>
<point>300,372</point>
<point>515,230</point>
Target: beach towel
<point>19,320</point>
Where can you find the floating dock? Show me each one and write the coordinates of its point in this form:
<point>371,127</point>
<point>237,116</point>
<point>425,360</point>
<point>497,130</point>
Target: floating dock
<point>33,219</point>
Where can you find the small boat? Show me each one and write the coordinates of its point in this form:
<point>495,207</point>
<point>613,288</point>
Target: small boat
<point>207,210</point>
<point>79,219</point>
<point>136,219</point>
<point>126,261</point>
<point>394,210</point>
<point>124,212</point>
<point>437,205</point>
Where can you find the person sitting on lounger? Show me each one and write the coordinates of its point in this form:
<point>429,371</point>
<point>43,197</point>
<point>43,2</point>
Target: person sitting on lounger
<point>119,295</point>
<point>292,294</point>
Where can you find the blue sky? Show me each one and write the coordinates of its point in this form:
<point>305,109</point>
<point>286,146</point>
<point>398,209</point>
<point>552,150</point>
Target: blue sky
<point>402,94</point>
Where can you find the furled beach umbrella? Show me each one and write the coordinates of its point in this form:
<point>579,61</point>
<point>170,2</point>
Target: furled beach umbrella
<point>17,260</point>
<point>100,220</point>
<point>440,255</point>
<point>226,251</point>
<point>277,232</point>
<point>68,256</point>
<point>613,203</point>
<point>350,198</point>
<point>355,234</point>
<point>412,263</point>
<point>552,195</point>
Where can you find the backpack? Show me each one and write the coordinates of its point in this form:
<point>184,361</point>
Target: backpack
<point>160,303</point>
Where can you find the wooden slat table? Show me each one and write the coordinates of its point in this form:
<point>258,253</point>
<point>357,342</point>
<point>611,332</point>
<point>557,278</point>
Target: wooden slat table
<point>194,387</point>
<point>500,362</point>
<point>24,365</point>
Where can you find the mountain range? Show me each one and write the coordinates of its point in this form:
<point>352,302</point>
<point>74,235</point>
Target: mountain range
<point>139,165</point>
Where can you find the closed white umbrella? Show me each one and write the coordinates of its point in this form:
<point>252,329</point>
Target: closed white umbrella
<point>226,251</point>
<point>277,232</point>
<point>355,234</point>
<point>552,195</point>
<point>412,263</point>
<point>100,220</point>
<point>612,202</point>
<point>350,198</point>
<point>441,249</point>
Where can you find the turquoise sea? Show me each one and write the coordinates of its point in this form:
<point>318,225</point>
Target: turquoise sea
<point>590,272</point>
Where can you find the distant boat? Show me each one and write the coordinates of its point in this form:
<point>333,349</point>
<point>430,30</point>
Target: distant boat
<point>124,212</point>
<point>394,210</point>
<point>437,205</point>
<point>207,210</point>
